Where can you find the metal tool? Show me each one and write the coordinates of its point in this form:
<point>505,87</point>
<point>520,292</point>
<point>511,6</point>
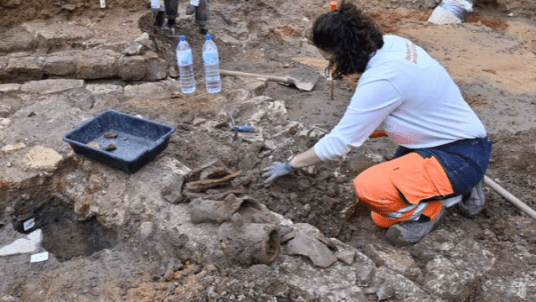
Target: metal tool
<point>240,128</point>
<point>302,78</point>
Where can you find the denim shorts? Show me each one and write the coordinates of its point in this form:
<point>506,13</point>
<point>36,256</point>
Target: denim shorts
<point>465,161</point>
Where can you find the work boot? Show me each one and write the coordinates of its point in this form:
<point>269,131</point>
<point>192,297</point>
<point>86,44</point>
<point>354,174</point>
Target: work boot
<point>172,24</point>
<point>473,202</point>
<point>411,232</point>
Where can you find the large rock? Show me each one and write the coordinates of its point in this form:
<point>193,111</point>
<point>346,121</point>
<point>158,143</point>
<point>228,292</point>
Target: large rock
<point>156,68</point>
<point>97,64</point>
<point>59,65</point>
<point>454,264</point>
<point>394,259</point>
<point>9,87</point>
<point>58,32</point>
<point>334,284</point>
<point>16,40</point>
<point>520,287</point>
<point>307,245</point>
<point>50,86</point>
<point>404,289</point>
<point>132,68</point>
<point>25,68</point>
<point>446,279</point>
<point>144,89</point>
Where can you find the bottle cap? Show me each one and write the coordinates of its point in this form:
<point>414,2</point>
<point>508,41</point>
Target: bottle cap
<point>182,38</point>
<point>209,37</point>
<point>333,5</point>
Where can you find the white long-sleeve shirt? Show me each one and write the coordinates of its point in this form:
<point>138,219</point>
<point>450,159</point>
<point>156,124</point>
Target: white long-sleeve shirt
<point>409,95</point>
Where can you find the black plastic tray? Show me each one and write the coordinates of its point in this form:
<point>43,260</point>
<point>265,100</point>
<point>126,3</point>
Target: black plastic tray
<point>138,141</point>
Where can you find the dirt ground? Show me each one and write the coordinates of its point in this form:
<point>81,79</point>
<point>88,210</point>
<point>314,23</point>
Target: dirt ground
<point>492,57</point>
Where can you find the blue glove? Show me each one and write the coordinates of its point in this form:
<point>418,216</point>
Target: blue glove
<point>276,170</point>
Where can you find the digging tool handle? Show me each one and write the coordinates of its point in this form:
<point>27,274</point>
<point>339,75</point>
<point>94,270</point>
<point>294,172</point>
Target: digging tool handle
<point>253,75</point>
<point>511,198</point>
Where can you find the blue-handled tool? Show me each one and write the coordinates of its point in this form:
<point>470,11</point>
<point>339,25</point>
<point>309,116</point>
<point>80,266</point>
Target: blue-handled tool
<point>243,128</point>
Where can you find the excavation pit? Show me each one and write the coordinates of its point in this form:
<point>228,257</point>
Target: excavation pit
<point>66,235</point>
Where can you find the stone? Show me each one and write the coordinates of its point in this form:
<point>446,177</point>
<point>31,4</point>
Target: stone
<point>143,89</point>
<point>198,121</point>
<point>394,259</point>
<point>60,32</point>
<point>25,68</point>
<point>97,64</point>
<point>447,280</point>
<point>307,245</point>
<point>9,87</point>
<point>404,289</point>
<point>385,291</point>
<point>519,287</point>
<point>4,122</point>
<point>172,193</point>
<point>134,49</point>
<point>251,243</point>
<point>472,254</point>
<point>146,229</point>
<point>257,86</point>
<point>42,157</point>
<point>131,68</point>
<point>51,86</point>
<point>59,65</point>
<point>346,256</point>
<point>156,69</point>
<point>104,88</point>
<point>333,284</point>
<point>16,40</point>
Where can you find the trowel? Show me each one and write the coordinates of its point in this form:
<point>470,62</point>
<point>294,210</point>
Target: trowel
<point>302,78</point>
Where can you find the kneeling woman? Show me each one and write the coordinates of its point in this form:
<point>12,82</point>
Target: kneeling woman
<point>443,148</point>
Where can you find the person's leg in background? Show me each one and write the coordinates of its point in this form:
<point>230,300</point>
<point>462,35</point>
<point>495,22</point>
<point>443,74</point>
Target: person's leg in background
<point>201,14</point>
<point>172,13</point>
<point>159,13</point>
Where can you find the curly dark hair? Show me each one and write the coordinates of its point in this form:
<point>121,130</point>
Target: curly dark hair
<point>352,36</point>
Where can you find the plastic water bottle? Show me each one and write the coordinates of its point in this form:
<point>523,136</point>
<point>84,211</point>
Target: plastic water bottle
<point>186,66</point>
<point>212,65</point>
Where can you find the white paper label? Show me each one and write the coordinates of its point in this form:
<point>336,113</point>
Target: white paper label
<point>39,257</point>
<point>210,58</point>
<point>102,3</point>
<point>28,224</point>
<point>184,57</point>
<point>194,2</point>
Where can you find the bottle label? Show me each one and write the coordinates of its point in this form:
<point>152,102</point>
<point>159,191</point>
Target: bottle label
<point>194,2</point>
<point>184,57</point>
<point>210,58</point>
